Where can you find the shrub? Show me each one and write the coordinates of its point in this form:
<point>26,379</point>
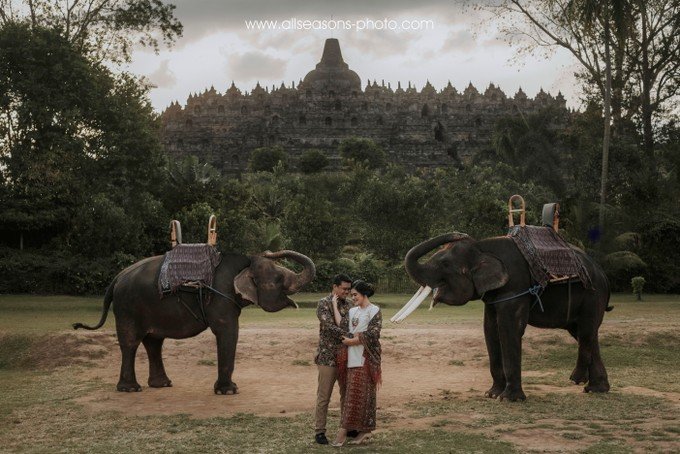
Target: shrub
<point>40,271</point>
<point>362,151</point>
<point>638,283</point>
<point>266,158</point>
<point>621,266</point>
<point>312,161</point>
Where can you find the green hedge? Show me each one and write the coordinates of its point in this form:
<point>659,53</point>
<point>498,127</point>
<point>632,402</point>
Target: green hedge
<point>31,271</point>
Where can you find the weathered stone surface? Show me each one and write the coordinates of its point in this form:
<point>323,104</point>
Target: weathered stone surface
<point>419,129</point>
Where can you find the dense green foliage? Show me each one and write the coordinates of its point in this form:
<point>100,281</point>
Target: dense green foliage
<point>85,189</point>
<point>266,158</point>
<point>362,151</point>
<point>312,161</point>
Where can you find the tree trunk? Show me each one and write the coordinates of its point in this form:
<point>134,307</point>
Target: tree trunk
<point>647,131</point>
<point>607,125</point>
<point>617,87</point>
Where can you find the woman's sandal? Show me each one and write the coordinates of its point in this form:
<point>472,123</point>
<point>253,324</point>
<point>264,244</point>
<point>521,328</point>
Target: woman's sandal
<point>361,439</point>
<point>339,444</point>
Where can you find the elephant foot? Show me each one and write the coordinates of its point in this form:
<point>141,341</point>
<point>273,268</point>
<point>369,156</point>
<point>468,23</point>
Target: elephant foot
<point>596,387</point>
<point>494,391</point>
<point>128,387</point>
<point>160,382</point>
<point>579,376</point>
<point>226,388</point>
<point>515,395</point>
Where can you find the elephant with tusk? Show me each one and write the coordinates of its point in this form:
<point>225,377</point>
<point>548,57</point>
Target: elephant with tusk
<point>143,316</point>
<point>495,271</point>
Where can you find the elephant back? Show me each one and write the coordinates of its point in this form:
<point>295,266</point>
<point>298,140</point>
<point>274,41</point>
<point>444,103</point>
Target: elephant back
<point>550,258</point>
<point>188,264</point>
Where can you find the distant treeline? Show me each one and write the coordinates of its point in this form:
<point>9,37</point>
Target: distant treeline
<point>86,189</point>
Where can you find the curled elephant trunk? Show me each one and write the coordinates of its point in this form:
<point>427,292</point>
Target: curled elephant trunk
<point>415,269</point>
<point>304,277</point>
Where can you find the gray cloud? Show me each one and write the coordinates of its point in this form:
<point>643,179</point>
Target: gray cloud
<point>459,41</point>
<point>163,77</point>
<point>254,65</point>
<point>201,18</point>
<point>378,44</point>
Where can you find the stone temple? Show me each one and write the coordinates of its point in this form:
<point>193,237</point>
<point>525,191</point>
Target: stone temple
<point>419,129</point>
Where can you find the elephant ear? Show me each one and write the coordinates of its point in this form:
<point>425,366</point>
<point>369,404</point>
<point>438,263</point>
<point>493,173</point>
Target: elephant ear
<point>488,274</point>
<point>245,286</point>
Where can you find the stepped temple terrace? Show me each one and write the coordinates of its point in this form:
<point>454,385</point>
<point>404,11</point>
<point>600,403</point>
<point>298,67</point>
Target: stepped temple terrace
<point>418,128</point>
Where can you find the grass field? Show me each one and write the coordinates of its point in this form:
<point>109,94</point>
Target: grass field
<point>46,369</point>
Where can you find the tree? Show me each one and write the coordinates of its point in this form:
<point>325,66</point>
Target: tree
<point>654,56</point>
<point>312,161</point>
<point>314,226</point>
<point>396,211</point>
<point>100,29</point>
<point>362,151</point>
<point>635,44</point>
<point>69,132</point>
<point>532,149</point>
<point>266,159</point>
<point>190,182</point>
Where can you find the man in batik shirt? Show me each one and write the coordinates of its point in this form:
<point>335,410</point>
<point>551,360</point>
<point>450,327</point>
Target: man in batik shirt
<point>330,340</point>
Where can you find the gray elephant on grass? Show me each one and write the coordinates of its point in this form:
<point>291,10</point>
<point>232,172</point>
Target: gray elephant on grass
<point>142,316</point>
<point>494,269</point>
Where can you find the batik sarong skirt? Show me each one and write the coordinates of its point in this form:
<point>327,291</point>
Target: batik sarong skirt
<point>358,412</point>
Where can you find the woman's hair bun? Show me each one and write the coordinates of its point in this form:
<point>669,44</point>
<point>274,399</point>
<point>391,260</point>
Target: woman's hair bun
<point>364,288</point>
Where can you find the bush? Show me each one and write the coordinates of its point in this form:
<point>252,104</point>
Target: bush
<point>363,266</point>
<point>362,151</point>
<point>312,161</point>
<point>621,266</point>
<point>266,158</point>
<point>638,283</point>
<point>660,241</point>
<point>57,272</point>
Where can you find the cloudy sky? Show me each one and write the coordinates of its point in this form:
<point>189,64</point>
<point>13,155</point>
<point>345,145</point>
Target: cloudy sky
<point>446,41</point>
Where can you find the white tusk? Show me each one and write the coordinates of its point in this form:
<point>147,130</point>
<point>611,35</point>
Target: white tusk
<point>407,305</point>
<point>414,305</point>
<point>432,301</point>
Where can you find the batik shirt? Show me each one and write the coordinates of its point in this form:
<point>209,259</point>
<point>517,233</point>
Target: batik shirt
<point>330,334</point>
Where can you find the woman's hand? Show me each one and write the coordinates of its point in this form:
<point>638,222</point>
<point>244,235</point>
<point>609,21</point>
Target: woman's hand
<point>350,341</point>
<point>334,300</point>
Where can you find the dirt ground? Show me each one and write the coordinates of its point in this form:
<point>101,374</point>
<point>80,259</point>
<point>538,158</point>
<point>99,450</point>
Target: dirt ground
<point>276,376</point>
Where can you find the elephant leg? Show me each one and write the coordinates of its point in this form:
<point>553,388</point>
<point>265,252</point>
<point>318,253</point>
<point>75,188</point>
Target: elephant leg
<point>580,373</point>
<point>128,380</point>
<point>226,354</point>
<point>512,321</point>
<point>493,348</point>
<point>157,376</point>
<point>598,382</point>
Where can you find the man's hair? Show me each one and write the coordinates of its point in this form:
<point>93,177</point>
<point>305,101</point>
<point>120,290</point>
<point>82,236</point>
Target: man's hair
<point>340,278</point>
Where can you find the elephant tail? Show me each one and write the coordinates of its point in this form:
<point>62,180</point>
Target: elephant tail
<point>108,299</point>
<point>608,308</point>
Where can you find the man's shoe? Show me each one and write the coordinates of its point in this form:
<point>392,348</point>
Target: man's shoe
<point>353,433</point>
<point>321,438</point>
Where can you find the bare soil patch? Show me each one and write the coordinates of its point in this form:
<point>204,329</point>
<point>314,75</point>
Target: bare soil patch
<point>276,376</point>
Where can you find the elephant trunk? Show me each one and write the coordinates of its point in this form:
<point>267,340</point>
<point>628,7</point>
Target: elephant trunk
<point>304,277</point>
<point>415,269</point>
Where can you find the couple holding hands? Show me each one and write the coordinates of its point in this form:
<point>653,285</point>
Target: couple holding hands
<point>349,353</point>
